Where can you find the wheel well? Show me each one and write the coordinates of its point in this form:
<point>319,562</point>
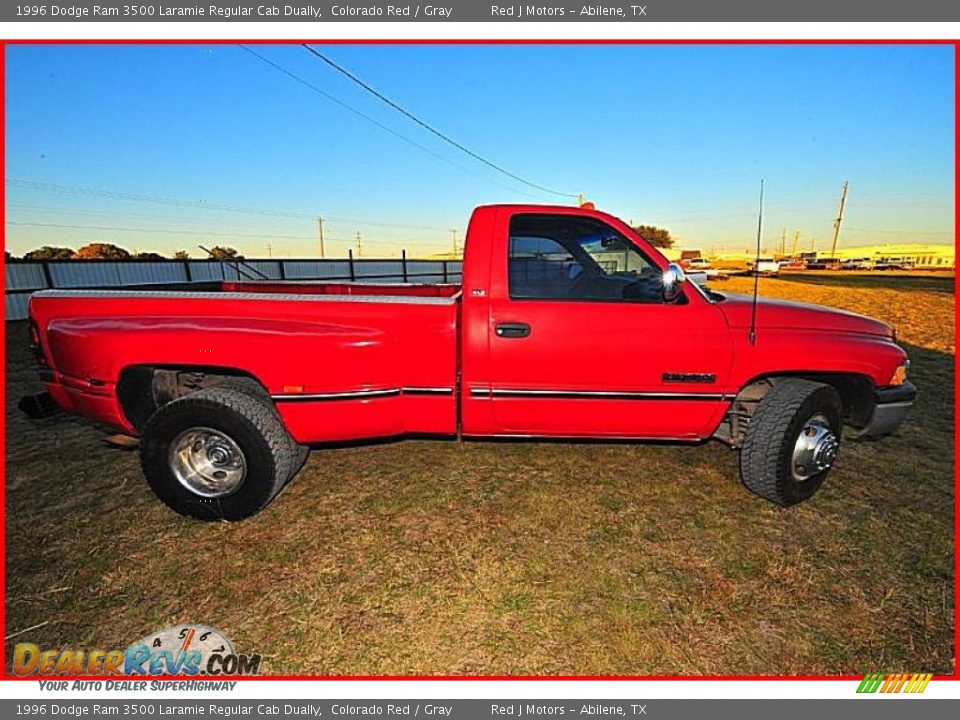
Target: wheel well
<point>855,390</point>
<point>142,389</point>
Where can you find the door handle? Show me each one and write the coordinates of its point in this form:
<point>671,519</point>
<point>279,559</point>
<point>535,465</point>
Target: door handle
<point>512,330</point>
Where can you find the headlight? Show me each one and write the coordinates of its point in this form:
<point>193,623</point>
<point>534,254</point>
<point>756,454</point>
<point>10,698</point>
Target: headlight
<point>900,374</point>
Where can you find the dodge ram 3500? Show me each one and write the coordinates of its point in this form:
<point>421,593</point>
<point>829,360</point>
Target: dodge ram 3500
<point>567,325</point>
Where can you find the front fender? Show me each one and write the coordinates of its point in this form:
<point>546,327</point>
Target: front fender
<point>781,352</point>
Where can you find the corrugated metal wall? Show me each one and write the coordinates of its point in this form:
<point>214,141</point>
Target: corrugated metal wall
<point>313,269</point>
<point>23,278</point>
<point>205,271</point>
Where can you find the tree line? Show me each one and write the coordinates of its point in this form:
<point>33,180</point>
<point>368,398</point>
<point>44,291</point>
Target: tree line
<point>656,236</point>
<point>107,251</point>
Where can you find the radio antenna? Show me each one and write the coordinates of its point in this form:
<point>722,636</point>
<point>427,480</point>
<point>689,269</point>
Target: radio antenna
<point>756,273</point>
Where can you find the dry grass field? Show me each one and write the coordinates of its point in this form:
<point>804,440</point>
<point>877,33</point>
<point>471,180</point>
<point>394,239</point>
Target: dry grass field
<point>427,557</point>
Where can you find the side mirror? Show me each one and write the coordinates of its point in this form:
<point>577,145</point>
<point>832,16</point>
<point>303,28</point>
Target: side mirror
<point>673,280</point>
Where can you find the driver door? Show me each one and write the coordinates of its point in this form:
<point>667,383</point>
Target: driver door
<point>582,342</point>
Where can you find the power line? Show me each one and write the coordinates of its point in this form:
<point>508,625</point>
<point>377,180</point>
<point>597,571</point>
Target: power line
<point>430,128</point>
<point>167,231</point>
<point>411,235</point>
<point>358,113</point>
<point>209,233</point>
<point>65,210</point>
<point>65,189</point>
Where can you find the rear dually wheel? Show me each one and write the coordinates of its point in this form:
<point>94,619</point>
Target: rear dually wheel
<point>216,454</point>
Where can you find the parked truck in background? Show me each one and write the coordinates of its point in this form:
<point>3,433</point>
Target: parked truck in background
<point>895,263</point>
<point>764,266</point>
<point>567,325</point>
<point>863,263</point>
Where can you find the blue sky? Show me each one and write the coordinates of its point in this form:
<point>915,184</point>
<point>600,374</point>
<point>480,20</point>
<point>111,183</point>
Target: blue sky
<point>677,136</point>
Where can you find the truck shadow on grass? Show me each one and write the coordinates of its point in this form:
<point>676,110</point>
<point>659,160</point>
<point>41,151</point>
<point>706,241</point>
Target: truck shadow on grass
<point>429,557</point>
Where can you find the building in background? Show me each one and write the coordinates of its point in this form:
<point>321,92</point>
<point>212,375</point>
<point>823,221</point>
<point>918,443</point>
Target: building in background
<point>923,257</point>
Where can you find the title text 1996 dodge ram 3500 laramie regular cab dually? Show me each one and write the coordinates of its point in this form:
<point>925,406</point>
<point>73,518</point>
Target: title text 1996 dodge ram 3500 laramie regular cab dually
<point>567,324</point>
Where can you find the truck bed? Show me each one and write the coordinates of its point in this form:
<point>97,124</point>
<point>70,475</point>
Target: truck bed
<point>341,361</point>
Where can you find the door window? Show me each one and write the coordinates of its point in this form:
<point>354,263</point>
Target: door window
<point>565,257</point>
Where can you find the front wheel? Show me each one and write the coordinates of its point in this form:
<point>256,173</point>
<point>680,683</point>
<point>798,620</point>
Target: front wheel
<point>218,453</point>
<point>791,441</point>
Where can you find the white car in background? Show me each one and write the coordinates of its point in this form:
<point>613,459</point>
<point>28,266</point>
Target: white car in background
<point>765,266</point>
<point>702,266</point>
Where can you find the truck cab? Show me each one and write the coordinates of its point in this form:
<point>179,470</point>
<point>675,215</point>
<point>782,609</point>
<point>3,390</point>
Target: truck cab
<point>569,332</point>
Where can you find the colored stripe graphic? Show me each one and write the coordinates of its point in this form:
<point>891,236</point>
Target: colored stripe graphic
<point>894,682</point>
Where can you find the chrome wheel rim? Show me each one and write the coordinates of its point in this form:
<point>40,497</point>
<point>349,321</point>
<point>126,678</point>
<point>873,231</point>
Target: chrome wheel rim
<point>815,449</point>
<point>207,462</point>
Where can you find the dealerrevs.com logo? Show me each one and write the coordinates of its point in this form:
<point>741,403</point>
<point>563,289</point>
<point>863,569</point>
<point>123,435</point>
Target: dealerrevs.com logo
<point>179,650</point>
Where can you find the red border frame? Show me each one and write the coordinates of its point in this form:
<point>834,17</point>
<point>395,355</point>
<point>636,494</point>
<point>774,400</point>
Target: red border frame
<point>483,41</point>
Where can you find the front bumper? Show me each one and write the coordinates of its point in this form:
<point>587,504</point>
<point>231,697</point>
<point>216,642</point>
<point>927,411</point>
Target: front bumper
<point>892,406</point>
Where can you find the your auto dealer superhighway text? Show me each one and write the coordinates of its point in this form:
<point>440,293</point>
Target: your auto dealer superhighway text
<point>303,11</point>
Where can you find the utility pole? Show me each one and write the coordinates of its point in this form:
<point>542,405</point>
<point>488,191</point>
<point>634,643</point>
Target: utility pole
<point>796,242</point>
<point>836,225</point>
<point>359,247</point>
<point>783,243</point>
<point>813,244</point>
<point>320,233</point>
<point>456,250</point>
<point>269,250</point>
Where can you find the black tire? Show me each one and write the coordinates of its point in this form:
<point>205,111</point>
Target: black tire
<point>298,452</point>
<point>766,458</point>
<point>298,457</point>
<point>251,424</point>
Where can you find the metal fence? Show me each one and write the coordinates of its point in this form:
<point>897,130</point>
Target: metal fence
<point>23,277</point>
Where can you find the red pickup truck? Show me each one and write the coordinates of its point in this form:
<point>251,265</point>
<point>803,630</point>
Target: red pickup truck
<point>567,324</point>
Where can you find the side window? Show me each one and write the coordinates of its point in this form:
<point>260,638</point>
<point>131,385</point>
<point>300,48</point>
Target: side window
<point>540,267</point>
<point>566,257</point>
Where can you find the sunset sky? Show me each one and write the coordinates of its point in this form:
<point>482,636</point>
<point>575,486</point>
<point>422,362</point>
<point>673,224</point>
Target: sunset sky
<point>161,148</point>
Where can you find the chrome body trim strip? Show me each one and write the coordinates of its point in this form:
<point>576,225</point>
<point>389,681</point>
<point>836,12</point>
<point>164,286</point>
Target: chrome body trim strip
<point>350,395</point>
<point>363,394</point>
<point>598,394</point>
<point>427,390</point>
